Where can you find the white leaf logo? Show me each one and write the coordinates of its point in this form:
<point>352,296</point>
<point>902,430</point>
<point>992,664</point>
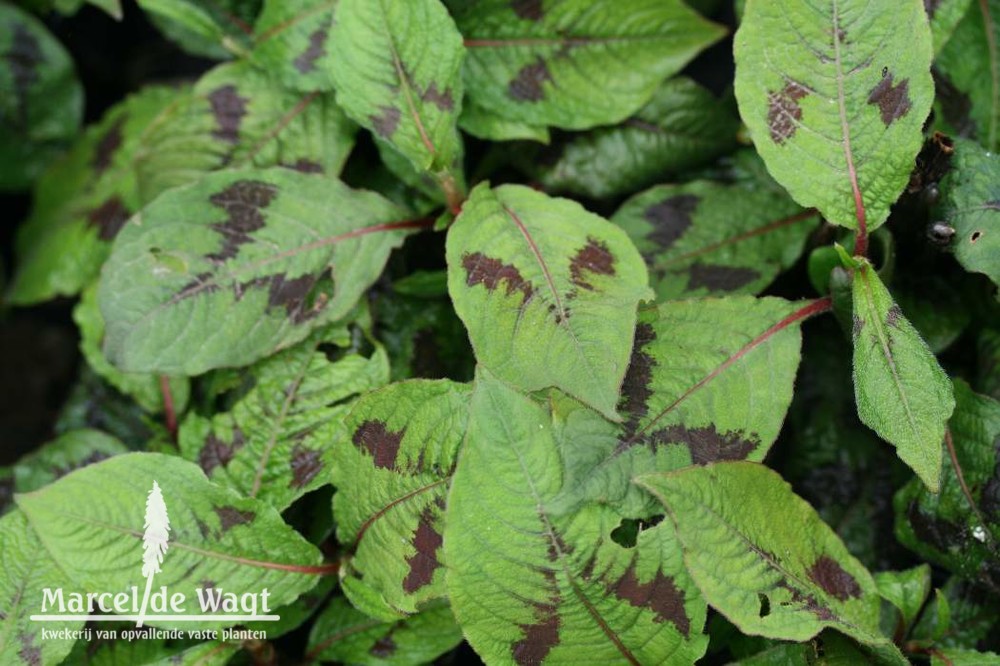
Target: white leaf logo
<point>154,542</point>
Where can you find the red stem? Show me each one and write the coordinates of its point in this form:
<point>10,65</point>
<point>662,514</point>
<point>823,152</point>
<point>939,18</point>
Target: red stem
<point>170,415</point>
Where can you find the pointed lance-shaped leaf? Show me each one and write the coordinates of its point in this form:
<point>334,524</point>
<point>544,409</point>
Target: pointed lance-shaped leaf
<point>708,239</point>
<point>837,104</point>
<point>41,100</point>
<point>262,258</point>
<point>392,475</point>
<point>276,442</point>
<point>25,571</point>
<point>786,579</point>
<point>575,63</point>
<point>397,69</point>
<point>547,290</point>
<point>532,584</point>
<point>900,389</point>
<point>90,523</point>
<point>970,204</point>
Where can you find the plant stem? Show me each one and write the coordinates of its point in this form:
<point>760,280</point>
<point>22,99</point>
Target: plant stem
<point>170,415</point>
<point>950,445</point>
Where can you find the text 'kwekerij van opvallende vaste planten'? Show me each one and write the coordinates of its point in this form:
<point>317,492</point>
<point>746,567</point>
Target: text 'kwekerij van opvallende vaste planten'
<point>518,331</point>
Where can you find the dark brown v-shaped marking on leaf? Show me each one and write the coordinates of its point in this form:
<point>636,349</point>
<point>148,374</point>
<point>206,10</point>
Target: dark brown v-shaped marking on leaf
<point>561,316</point>
<point>399,500</point>
<point>732,240</point>
<point>816,307</point>
<point>406,83</point>
<point>294,21</point>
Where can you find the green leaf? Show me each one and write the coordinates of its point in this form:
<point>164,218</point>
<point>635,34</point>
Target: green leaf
<point>345,635</point>
<point>237,116</point>
<point>276,442</point>
<point>901,391</point>
<point>970,203</point>
<point>988,355</point>
<point>262,258</point>
<point>962,615</point>
<point>945,15</point>
<point>568,592</point>
<point>547,290</point>
<point>82,202</point>
<point>785,579</point>
<point>836,97</point>
<point>967,76</point>
<point>209,28</point>
<point>485,124</point>
<point>955,657</point>
<point>41,100</point>
<point>397,70</point>
<point>292,42</point>
<point>906,590</point>
<point>955,529</point>
<point>25,569</point>
<point>91,524</point>
<point>56,459</point>
<point>929,301</point>
<point>392,475</point>
<point>575,63</point>
<point>212,653</point>
<point>146,389</point>
<point>683,126</point>
<point>704,238</point>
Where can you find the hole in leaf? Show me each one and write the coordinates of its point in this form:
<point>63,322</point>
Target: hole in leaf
<point>626,533</point>
<point>976,235</point>
<point>765,605</point>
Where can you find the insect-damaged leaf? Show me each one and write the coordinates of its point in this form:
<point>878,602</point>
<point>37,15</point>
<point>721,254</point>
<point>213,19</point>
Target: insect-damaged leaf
<point>292,41</point>
<point>91,523</point>
<point>569,592</point>
<point>967,74</point>
<point>397,70</point>
<point>785,579</point>
<point>575,63</point>
<point>705,238</point>
<point>683,126</point>
<point>836,96</point>
<point>970,204</point>
<point>237,116</point>
<point>41,101</point>
<point>958,531</point>
<point>547,290</point>
<point>392,474</point>
<point>25,570</point>
<point>345,635</point>
<point>276,442</point>
<point>901,391</point>
<point>82,202</point>
<point>262,258</point>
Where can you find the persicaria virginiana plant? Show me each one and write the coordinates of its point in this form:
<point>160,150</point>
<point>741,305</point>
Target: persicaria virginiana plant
<point>525,330</point>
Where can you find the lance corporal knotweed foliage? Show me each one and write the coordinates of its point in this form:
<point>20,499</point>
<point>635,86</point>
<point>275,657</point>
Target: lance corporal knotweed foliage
<point>525,330</point>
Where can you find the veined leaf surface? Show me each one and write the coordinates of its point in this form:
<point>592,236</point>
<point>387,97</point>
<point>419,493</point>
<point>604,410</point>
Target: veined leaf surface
<point>392,475</point>
<point>707,239</point>
<point>397,69</point>
<point>531,585</point>
<point>547,290</point>
<point>209,28</point>
<point>91,523</point>
<point>575,63</point>
<point>901,391</point>
<point>292,40</point>
<point>236,117</point>
<point>276,443</point>
<point>836,95</point>
<point>262,258</point>
<point>787,578</point>
<point>25,570</point>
